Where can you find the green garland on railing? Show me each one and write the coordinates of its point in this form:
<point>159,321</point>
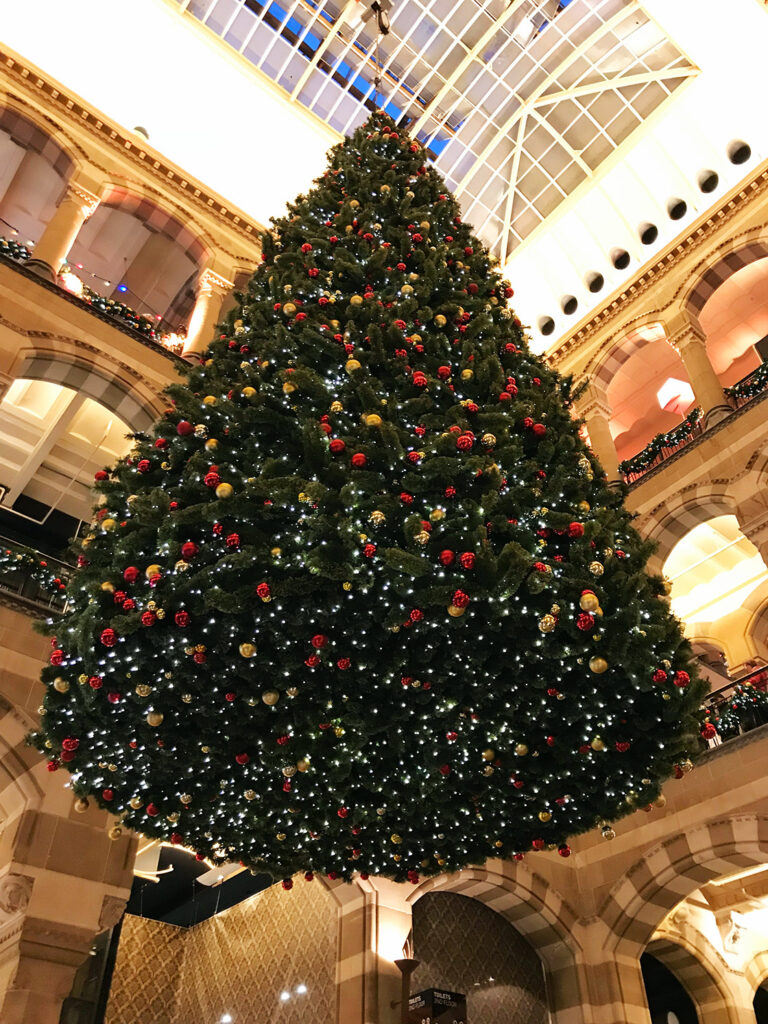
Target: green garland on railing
<point>17,558</point>
<point>751,385</point>
<point>744,709</point>
<point>644,459</point>
<point>14,250</point>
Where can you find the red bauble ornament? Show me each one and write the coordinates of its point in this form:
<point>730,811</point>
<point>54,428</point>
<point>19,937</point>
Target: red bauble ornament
<point>181,618</point>
<point>57,657</point>
<point>337,445</point>
<point>564,850</point>
<point>460,599</point>
<point>184,427</point>
<point>467,559</point>
<point>681,678</point>
<point>188,550</point>
<point>464,442</point>
<point>95,682</point>
<point>445,769</point>
<point>539,429</point>
<point>708,731</point>
<point>211,479</point>
<point>233,540</point>
<point>143,465</point>
<point>622,746</point>
<point>369,550</point>
<point>100,475</point>
<point>147,619</point>
<point>70,744</point>
<point>419,379</point>
<point>416,615</point>
<point>287,884</point>
<point>446,557</point>
<point>113,698</point>
<point>358,460</point>
<point>576,530</point>
<point>343,812</point>
<point>319,641</point>
<point>443,372</point>
<point>585,622</point>
<point>108,637</point>
<point>659,676</point>
<point>343,664</point>
<point>538,844</point>
<point>263,591</point>
<point>242,758</point>
<point>407,499</point>
<point>153,810</point>
<point>199,657</point>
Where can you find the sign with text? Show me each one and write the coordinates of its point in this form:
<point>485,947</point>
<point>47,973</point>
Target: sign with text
<point>437,1006</point>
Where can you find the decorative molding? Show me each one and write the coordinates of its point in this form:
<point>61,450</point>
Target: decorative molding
<point>211,282</point>
<point>15,894</point>
<point>87,199</point>
<point>112,909</point>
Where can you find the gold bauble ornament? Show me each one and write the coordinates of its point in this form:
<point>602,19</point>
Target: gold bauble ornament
<point>337,407</point>
<point>339,731</point>
<point>82,805</point>
<point>209,400</point>
<point>186,798</point>
<point>407,289</point>
<point>302,765</point>
<point>115,832</point>
<point>303,496</point>
<point>488,770</point>
<point>186,698</point>
<point>373,420</point>
<point>289,771</point>
<point>276,552</point>
<point>521,749</point>
<point>152,570</point>
<point>597,744</point>
<point>489,440</point>
<point>377,517</point>
<point>108,524</point>
<point>422,537</point>
<point>425,225</point>
<point>596,568</point>
<point>598,665</point>
<point>396,839</point>
<point>225,491</point>
<point>607,832</point>
<point>289,308</point>
<point>280,837</point>
<point>249,392</point>
<point>588,602</point>
<point>211,444</point>
<point>467,374</point>
<point>385,189</point>
<point>165,465</point>
<point>545,816</point>
<point>440,320</point>
<point>201,430</point>
<point>547,623</point>
<point>660,801</point>
<point>142,690</point>
<point>60,685</point>
<point>288,388</point>
<point>413,277</point>
<point>155,718</point>
<point>584,506</point>
<point>250,794</point>
<point>82,678</point>
<point>436,515</point>
<point>108,587</point>
<point>489,754</point>
<point>270,697</point>
<point>136,802</point>
<point>354,203</point>
<point>247,650</point>
<point>455,612</point>
<point>351,365</point>
<point>181,565</point>
<point>346,585</point>
<point>356,300</point>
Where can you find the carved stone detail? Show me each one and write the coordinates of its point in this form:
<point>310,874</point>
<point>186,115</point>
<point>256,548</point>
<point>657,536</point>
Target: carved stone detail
<point>112,909</point>
<point>15,893</point>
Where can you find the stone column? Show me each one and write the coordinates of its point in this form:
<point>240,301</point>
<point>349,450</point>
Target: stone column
<point>61,231</point>
<point>594,409</point>
<point>202,324</point>
<point>690,343</point>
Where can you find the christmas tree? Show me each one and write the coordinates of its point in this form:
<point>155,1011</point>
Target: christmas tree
<point>362,599</point>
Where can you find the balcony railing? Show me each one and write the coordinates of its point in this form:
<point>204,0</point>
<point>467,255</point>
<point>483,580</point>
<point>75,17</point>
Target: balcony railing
<point>31,579</point>
<point>664,446</point>
<point>18,254</point>
<point>739,706</point>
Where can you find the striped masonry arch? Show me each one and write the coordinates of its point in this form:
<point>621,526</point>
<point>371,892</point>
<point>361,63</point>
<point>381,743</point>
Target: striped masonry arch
<point>756,971</point>
<point>680,514</point>
<point>156,219</point>
<point>19,790</point>
<point>700,970</point>
<point>732,257</point>
<point>669,872</point>
<point>29,136</point>
<point>627,345</point>
<point>104,388</point>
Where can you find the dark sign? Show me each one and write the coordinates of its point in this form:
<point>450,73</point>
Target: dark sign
<point>437,1006</point>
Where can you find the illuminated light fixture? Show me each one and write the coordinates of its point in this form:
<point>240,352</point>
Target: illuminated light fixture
<point>122,287</point>
<point>756,870</point>
<point>71,282</point>
<point>226,1018</point>
<point>301,989</point>
<point>525,31</point>
<point>675,395</point>
<point>284,997</point>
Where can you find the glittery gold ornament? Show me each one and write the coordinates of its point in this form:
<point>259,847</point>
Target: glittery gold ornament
<point>351,365</point>
<point>82,678</point>
<point>270,697</point>
<point>108,524</point>
<point>545,816</point>
<point>422,537</point>
<point>209,400</point>
<point>152,570</point>
<point>356,300</point>
<point>607,832</point>
<point>136,802</point>
<point>185,798</point>
<point>82,805</point>
<point>173,817</point>
<point>455,612</point>
<point>598,665</point>
<point>289,771</point>
<point>407,289</point>
<point>373,420</point>
<point>377,518</point>
<point>249,392</point>
<point>302,765</point>
<point>489,754</point>
<point>186,698</point>
<point>488,770</point>
<point>346,585</point>
<point>588,602</point>
<point>60,685</point>
<point>280,837</point>
<point>440,320</point>
<point>155,718</point>
<point>337,406</point>
<point>521,749</point>
<point>289,308</point>
<point>436,515</point>
<point>276,552</point>
<point>181,565</point>
<point>597,744</point>
<point>596,568</point>
<point>489,440</point>
<point>201,431</point>
<point>250,794</point>
<point>547,623</point>
<point>225,491</point>
<point>247,650</point>
<point>115,832</point>
<point>584,506</point>
<point>396,839</point>
<point>142,690</point>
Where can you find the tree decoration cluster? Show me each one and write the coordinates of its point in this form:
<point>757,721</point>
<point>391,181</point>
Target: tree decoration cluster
<point>362,600</point>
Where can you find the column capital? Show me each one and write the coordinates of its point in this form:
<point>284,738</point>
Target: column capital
<point>211,283</point>
<point>86,199</point>
<point>594,401</point>
<point>686,336</point>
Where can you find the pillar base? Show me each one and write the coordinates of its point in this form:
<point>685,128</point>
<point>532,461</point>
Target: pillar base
<point>42,269</point>
<point>716,415</point>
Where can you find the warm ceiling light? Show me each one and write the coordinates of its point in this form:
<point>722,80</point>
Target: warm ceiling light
<point>756,870</point>
<point>675,395</point>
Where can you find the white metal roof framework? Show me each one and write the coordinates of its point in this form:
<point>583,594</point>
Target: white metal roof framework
<point>519,101</point>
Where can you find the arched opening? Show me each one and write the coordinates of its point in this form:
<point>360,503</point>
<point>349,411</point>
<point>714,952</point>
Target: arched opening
<point>501,975</point>
<point>735,322</point>
<point>668,1002</point>
<point>34,170</point>
<point>760,1003</point>
<point>131,251</point>
<point>648,390</point>
<point>713,570</point>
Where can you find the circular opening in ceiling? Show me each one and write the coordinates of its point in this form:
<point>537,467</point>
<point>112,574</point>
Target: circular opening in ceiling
<point>546,325</point>
<point>648,233</point>
<point>739,151</point>
<point>677,209</point>
<point>595,282</point>
<point>620,259</point>
<point>708,181</point>
<point>569,304</point>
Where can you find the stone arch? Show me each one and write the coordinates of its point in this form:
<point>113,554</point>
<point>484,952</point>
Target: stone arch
<point>728,258</point>
<point>667,873</point>
<point>756,971</point>
<point>537,911</point>
<point>40,135</point>
<point>628,342</point>
<point>700,970</point>
<point>99,383</point>
<point>670,522</point>
<point>159,216</point>
<point>19,790</point>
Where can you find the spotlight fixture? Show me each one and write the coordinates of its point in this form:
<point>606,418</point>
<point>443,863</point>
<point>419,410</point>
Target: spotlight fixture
<point>380,10</point>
